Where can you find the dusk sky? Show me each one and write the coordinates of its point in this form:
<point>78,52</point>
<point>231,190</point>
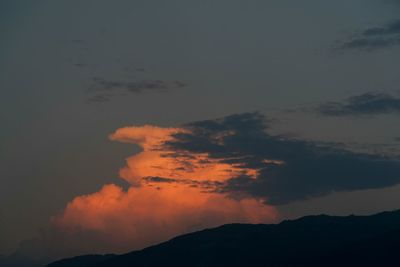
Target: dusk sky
<point>129,122</point>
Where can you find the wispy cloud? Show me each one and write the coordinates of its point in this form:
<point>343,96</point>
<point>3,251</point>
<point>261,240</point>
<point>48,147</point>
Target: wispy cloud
<point>374,38</point>
<point>365,104</point>
<point>104,90</point>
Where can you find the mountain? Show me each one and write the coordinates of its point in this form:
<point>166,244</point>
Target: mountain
<point>309,241</point>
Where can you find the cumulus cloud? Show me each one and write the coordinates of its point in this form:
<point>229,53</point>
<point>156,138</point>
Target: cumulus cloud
<point>171,192</point>
<point>364,104</point>
<point>204,174</point>
<point>142,216</point>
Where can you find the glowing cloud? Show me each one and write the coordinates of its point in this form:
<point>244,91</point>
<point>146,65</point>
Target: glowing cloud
<point>144,216</point>
<point>172,192</point>
<point>158,161</point>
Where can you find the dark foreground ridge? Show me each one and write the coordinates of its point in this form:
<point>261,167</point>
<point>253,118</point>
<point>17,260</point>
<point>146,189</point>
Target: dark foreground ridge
<point>309,241</point>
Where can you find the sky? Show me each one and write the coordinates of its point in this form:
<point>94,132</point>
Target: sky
<point>129,122</point>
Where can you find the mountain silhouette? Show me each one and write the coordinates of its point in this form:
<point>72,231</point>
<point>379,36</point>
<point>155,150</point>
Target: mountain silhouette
<point>309,241</point>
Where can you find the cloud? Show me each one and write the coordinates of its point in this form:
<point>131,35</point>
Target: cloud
<point>103,90</point>
<point>374,38</point>
<point>285,170</point>
<point>364,104</point>
<point>204,174</point>
<point>169,193</point>
<point>142,216</point>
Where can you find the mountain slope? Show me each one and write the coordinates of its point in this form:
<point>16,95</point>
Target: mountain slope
<point>309,241</point>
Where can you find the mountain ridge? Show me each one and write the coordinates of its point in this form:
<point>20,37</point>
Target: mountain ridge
<point>316,240</point>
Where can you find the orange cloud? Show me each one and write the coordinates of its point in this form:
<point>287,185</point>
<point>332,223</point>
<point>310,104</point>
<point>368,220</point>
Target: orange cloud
<point>157,161</point>
<point>143,216</point>
<point>170,194</point>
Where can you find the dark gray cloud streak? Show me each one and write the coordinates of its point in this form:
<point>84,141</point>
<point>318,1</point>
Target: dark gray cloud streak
<point>374,38</point>
<point>206,186</point>
<point>364,104</point>
<point>308,169</point>
<point>103,90</point>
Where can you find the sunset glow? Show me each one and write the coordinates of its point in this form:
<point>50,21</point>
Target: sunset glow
<point>170,193</point>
